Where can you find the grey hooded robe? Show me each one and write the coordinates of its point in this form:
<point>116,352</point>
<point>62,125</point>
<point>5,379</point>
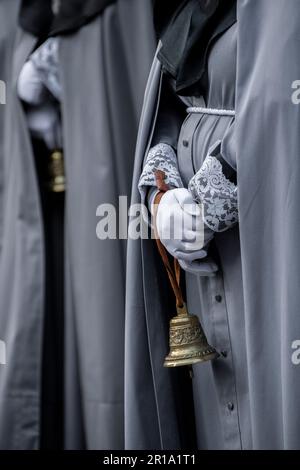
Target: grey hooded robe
<point>103,69</point>
<point>246,399</point>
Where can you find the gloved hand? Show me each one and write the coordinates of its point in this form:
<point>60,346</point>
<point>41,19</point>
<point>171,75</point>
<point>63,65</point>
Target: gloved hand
<point>181,230</point>
<point>39,77</point>
<point>40,88</point>
<point>30,87</point>
<point>44,122</point>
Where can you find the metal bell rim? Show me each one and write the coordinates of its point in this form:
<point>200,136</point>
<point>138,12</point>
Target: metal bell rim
<point>188,361</point>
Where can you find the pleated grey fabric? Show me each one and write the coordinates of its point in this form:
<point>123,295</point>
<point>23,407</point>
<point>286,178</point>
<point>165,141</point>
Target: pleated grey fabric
<point>104,67</point>
<point>22,253</point>
<point>268,164</point>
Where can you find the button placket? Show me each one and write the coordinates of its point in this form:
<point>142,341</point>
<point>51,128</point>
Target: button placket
<point>223,367</point>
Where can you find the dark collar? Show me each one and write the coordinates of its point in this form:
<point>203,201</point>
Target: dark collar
<point>74,14</point>
<point>37,16</point>
<point>187,35</point>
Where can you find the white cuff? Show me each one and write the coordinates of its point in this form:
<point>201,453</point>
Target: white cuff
<point>161,157</point>
<point>217,194</point>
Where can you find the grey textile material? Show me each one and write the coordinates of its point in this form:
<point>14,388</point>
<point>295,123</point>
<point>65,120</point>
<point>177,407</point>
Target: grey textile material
<point>268,167</point>
<point>165,118</point>
<point>104,69</point>
<point>246,399</point>
<point>22,252</point>
<point>154,396</point>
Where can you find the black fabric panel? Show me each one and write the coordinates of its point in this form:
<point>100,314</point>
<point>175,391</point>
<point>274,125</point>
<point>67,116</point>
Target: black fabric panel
<point>163,12</point>
<point>188,36</point>
<point>74,14</point>
<point>36,16</point>
<point>227,170</point>
<point>52,387</point>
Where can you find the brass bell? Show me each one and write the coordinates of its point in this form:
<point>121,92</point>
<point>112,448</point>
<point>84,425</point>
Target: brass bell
<point>188,343</point>
<point>57,183</point>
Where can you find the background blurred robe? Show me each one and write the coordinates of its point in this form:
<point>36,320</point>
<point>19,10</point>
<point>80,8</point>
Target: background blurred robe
<point>104,66</point>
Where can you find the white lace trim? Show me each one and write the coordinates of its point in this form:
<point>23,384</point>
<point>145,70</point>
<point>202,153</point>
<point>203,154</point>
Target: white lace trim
<point>212,111</point>
<point>217,194</point>
<point>46,62</point>
<point>161,157</point>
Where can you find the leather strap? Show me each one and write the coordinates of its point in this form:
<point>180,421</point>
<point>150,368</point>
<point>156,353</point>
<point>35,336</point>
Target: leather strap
<point>173,274</point>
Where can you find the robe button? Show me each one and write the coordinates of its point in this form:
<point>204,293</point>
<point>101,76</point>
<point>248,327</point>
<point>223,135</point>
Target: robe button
<point>218,298</point>
<point>230,406</point>
<point>185,143</point>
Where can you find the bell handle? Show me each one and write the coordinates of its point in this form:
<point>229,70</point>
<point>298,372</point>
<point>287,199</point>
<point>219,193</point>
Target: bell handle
<point>182,310</point>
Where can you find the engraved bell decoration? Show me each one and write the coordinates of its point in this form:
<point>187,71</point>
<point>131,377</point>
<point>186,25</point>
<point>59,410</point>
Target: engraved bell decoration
<point>188,343</point>
<point>57,183</point>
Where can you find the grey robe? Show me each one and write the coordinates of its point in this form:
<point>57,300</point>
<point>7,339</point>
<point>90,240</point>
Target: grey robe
<point>21,259</point>
<point>103,68</point>
<point>247,398</point>
<point>268,143</point>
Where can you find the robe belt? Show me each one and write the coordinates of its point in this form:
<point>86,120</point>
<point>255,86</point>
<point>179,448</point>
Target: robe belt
<point>212,111</point>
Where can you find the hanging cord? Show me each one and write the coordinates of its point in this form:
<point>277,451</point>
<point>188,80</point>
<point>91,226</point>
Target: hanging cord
<point>173,274</point>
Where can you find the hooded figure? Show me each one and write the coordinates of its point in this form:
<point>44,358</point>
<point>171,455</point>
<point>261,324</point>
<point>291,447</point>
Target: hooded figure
<point>62,289</point>
<point>217,120</point>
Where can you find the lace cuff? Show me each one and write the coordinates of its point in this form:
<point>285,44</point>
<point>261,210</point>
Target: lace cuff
<point>217,193</point>
<point>161,157</point>
<point>46,62</point>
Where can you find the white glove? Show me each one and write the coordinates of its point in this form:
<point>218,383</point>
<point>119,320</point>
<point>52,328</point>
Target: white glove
<point>40,77</point>
<point>44,122</point>
<point>181,230</point>
<point>30,87</point>
<point>38,85</point>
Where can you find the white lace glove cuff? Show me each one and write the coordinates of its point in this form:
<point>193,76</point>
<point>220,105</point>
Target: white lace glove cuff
<point>161,157</point>
<point>213,187</point>
<point>46,62</point>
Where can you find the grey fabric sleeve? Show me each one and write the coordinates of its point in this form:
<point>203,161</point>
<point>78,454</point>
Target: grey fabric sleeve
<point>170,116</point>
<point>228,146</point>
<point>162,154</point>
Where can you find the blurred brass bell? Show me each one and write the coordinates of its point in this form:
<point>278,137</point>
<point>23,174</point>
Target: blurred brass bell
<point>188,343</point>
<point>57,183</point>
